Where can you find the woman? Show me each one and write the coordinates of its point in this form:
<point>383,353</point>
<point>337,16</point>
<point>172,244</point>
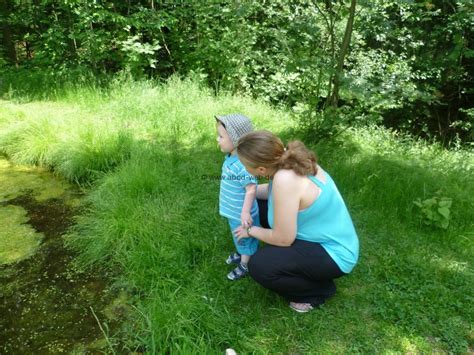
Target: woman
<point>311,239</point>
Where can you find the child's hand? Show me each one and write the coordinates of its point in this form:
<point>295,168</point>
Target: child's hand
<point>246,219</point>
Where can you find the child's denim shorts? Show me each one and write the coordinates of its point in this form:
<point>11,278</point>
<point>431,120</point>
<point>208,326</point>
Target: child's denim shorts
<point>246,246</point>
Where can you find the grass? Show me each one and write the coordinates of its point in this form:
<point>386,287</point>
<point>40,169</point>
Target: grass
<point>144,148</point>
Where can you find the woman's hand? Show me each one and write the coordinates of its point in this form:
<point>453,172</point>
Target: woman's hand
<point>241,232</point>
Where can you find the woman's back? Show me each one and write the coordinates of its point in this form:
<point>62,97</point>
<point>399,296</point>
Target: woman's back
<point>326,220</point>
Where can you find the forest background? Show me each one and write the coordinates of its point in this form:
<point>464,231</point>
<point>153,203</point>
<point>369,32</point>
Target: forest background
<point>409,65</point>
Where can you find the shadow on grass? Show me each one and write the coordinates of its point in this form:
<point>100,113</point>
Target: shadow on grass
<point>29,84</point>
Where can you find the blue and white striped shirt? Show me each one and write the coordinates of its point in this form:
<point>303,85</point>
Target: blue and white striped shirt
<point>234,178</point>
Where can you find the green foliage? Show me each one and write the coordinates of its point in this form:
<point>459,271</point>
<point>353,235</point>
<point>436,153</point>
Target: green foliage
<point>435,211</point>
<point>317,126</point>
<point>139,54</point>
<point>408,65</point>
<point>270,50</point>
<point>100,36</point>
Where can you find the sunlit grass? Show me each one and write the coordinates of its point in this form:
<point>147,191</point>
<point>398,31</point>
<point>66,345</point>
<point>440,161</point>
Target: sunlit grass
<point>151,215</point>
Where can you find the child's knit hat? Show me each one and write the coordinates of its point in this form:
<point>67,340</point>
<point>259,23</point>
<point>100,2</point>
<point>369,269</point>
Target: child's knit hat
<point>236,125</point>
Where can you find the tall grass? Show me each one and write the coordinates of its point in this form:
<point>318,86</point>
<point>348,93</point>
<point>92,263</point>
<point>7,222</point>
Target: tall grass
<point>152,215</point>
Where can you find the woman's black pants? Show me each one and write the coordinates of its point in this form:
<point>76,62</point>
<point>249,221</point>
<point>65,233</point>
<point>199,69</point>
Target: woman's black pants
<point>303,272</point>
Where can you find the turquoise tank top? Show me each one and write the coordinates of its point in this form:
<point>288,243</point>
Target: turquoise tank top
<point>326,221</point>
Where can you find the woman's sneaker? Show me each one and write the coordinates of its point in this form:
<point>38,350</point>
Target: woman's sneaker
<point>239,272</point>
<point>301,307</point>
<point>233,258</point>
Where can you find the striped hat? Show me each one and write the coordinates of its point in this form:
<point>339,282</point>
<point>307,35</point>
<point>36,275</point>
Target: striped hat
<point>236,125</point>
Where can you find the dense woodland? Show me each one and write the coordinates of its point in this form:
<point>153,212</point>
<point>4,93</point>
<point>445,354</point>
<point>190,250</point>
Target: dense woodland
<point>404,64</point>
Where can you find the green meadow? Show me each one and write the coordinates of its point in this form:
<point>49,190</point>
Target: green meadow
<point>144,152</point>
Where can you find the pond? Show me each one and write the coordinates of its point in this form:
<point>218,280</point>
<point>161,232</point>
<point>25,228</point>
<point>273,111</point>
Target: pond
<point>46,304</point>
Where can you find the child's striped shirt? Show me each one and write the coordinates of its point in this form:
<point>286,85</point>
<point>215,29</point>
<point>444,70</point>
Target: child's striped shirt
<point>234,178</point>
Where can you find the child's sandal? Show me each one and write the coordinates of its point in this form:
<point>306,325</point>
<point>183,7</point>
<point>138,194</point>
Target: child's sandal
<point>233,258</point>
<point>239,272</point>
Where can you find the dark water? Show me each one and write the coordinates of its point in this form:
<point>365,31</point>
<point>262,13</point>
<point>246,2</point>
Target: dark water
<point>47,306</point>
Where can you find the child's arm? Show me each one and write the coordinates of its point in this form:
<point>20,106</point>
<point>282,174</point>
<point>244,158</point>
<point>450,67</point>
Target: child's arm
<point>250,194</point>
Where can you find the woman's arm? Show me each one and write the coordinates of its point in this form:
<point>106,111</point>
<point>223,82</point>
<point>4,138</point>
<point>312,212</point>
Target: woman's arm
<point>286,199</point>
<point>262,192</point>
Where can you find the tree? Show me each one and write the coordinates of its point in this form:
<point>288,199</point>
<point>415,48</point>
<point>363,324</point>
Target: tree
<point>334,98</point>
<point>7,35</point>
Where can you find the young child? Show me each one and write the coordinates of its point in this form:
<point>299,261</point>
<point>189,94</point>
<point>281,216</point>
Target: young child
<point>237,191</point>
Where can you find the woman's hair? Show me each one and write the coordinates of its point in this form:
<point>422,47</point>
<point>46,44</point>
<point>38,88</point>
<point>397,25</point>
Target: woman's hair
<point>263,148</point>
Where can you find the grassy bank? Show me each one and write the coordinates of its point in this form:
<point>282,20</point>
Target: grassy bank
<point>144,152</point>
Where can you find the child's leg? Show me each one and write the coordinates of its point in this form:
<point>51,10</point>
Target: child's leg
<point>252,242</point>
<point>246,248</point>
<point>244,259</point>
<point>242,268</point>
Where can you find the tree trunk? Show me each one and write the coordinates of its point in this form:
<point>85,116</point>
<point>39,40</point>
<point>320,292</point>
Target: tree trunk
<point>8,43</point>
<point>342,55</point>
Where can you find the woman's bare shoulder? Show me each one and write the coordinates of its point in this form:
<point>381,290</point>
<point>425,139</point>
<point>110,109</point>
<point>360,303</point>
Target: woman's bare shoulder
<point>287,178</point>
<point>285,175</point>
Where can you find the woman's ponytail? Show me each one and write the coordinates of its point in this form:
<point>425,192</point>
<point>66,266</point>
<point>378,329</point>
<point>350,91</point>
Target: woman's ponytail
<point>263,148</point>
<point>299,159</point>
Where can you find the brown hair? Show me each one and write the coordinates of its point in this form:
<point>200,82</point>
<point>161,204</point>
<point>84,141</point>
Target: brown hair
<point>263,148</point>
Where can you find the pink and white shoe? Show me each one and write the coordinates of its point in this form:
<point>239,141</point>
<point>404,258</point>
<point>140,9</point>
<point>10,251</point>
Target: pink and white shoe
<point>301,307</point>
